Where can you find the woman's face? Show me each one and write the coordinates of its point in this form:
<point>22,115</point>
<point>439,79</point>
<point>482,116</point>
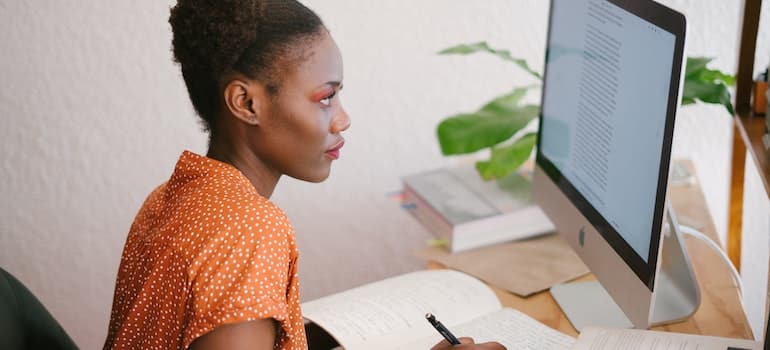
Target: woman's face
<point>302,134</point>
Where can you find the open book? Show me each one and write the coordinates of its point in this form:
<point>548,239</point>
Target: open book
<point>390,314</point>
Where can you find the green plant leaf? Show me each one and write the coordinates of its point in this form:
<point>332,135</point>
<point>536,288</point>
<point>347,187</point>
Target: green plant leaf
<point>507,159</point>
<point>695,65</point>
<point>687,100</point>
<point>706,85</point>
<point>466,49</point>
<point>496,122</point>
<point>697,70</point>
<point>716,76</point>
<point>505,102</point>
<point>707,92</point>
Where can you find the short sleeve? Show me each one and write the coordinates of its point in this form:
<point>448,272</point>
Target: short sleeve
<point>241,274</point>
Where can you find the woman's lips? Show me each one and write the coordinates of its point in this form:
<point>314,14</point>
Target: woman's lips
<point>334,152</point>
<point>334,155</point>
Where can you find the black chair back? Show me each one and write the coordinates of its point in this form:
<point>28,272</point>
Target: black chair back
<point>24,322</point>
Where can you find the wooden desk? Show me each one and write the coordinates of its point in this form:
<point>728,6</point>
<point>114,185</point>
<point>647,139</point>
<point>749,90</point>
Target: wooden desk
<point>720,312</point>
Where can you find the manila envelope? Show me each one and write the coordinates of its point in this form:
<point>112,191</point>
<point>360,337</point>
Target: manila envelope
<point>522,267</point>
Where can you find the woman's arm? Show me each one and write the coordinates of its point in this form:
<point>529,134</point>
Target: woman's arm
<point>258,335</point>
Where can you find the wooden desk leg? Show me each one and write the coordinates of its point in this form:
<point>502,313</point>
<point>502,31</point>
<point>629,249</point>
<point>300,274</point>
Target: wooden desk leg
<point>736,199</point>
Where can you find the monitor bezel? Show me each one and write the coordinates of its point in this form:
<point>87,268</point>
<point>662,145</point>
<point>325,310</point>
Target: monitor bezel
<point>674,23</point>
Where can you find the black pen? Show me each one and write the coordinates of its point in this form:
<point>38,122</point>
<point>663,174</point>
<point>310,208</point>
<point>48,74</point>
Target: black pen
<point>441,329</point>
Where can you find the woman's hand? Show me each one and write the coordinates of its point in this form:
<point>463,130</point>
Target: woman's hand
<point>468,344</point>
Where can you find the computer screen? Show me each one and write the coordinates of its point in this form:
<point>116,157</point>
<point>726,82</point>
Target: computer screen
<point>611,87</point>
<point>604,119</point>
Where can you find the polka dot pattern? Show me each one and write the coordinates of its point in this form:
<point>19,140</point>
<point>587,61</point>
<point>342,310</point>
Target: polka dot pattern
<point>205,250</point>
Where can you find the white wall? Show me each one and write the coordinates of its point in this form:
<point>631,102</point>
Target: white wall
<point>94,115</point>
<point>755,249</point>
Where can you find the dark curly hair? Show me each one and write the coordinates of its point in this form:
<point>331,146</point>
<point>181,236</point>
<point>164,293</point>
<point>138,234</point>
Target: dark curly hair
<point>257,38</point>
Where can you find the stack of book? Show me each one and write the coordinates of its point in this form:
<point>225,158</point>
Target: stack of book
<point>468,212</point>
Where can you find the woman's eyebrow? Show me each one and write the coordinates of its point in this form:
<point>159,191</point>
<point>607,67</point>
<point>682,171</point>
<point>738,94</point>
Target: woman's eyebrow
<point>335,85</point>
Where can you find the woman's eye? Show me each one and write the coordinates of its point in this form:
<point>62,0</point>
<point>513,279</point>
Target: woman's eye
<point>327,101</point>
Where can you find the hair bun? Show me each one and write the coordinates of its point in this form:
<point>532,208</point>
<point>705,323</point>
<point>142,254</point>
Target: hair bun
<point>252,37</point>
<point>209,35</point>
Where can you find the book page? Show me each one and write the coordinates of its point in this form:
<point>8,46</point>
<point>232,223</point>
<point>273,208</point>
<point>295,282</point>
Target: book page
<point>384,314</point>
<point>513,329</point>
<point>595,338</point>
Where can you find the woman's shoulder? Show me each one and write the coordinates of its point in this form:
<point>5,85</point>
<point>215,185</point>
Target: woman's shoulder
<point>237,197</point>
<point>234,206</point>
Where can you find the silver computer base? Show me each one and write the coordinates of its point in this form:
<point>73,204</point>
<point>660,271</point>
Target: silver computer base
<point>676,294</point>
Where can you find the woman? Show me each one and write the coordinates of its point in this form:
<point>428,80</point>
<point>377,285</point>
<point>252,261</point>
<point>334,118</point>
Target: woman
<point>210,262</point>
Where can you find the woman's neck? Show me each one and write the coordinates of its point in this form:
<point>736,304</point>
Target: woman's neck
<point>238,154</point>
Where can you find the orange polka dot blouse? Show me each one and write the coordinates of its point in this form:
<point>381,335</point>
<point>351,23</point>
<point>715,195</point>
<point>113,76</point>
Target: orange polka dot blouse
<point>205,250</point>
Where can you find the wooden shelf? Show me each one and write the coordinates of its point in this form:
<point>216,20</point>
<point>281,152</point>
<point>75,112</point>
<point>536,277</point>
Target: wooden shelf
<point>747,142</point>
<point>751,129</point>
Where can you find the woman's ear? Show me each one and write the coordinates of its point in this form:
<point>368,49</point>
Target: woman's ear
<point>243,99</point>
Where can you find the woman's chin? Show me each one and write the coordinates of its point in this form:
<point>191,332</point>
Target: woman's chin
<point>315,176</point>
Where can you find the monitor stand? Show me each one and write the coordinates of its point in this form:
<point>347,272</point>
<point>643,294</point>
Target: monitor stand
<point>677,294</point>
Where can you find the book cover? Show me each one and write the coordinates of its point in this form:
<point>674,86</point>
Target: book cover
<point>456,204</point>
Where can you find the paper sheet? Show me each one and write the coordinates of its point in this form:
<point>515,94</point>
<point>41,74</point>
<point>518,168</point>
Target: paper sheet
<point>594,338</point>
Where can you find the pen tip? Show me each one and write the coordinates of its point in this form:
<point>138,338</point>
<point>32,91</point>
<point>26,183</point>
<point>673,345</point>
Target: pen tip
<point>429,315</point>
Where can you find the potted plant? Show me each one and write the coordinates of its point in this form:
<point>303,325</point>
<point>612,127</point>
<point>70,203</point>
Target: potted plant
<point>497,124</point>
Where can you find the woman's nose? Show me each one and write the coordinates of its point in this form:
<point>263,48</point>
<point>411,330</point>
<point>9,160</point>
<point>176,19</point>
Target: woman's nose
<point>341,122</point>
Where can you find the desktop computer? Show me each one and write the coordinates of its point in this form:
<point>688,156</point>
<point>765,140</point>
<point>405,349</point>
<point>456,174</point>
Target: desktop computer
<point>612,85</point>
